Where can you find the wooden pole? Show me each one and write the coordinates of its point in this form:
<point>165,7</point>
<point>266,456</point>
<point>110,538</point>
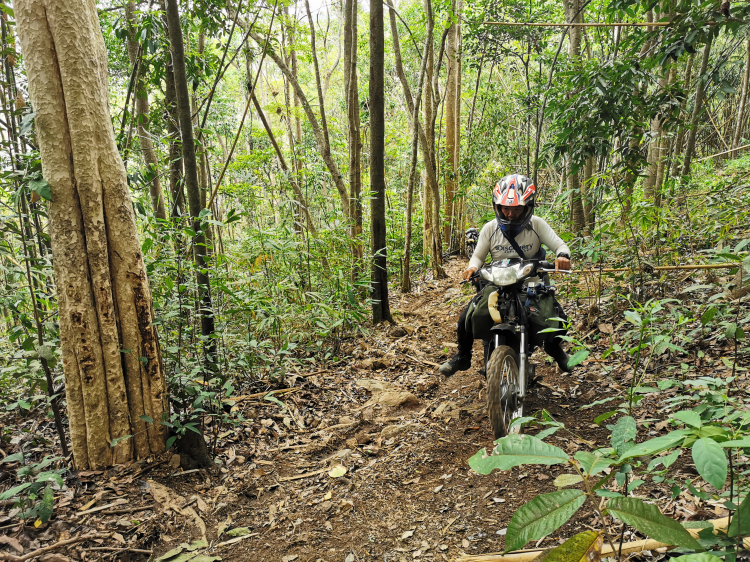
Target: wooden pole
<point>530,24</point>
<point>660,268</point>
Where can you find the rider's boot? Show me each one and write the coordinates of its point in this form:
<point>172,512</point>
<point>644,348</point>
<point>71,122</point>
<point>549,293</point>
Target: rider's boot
<point>461,361</point>
<point>555,350</point>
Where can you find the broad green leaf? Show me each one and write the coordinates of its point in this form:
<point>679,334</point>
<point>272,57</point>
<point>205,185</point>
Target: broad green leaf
<point>739,443</point>
<point>633,317</point>
<point>707,316</point>
<point>647,519</point>
<point>15,490</point>
<point>515,450</point>
<point>50,477</point>
<point>688,417</point>
<point>741,517</point>
<point>578,357</point>
<point>656,445</point>
<point>623,434</point>
<point>47,505</point>
<point>565,480</point>
<point>697,557</point>
<point>16,457</point>
<point>582,547</point>
<point>603,417</point>
<point>541,516</point>
<point>591,463</point>
<point>711,462</point>
<point>41,188</point>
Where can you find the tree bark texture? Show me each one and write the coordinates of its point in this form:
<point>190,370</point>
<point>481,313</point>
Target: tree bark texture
<point>577,217</point>
<point>191,174</point>
<point>656,153</point>
<point>452,129</point>
<point>142,111</point>
<point>110,349</point>
<point>351,92</point>
<point>380,307</point>
<point>740,119</point>
<point>432,232</point>
<point>681,132</point>
<point>700,92</point>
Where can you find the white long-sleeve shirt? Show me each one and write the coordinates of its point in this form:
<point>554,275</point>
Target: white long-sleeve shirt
<point>492,240</point>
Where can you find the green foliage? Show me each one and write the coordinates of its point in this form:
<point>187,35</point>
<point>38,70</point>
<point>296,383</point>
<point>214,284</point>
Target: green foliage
<point>35,496</point>
<point>516,450</point>
<point>647,519</point>
<point>541,516</point>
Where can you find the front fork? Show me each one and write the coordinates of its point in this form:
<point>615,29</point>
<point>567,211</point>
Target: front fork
<point>523,360</point>
<point>522,366</point>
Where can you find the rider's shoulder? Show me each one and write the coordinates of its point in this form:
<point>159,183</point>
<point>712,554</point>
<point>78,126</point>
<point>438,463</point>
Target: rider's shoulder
<point>490,227</point>
<point>538,221</point>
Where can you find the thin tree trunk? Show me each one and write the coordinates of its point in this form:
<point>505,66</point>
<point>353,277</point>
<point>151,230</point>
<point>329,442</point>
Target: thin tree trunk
<point>738,128</point>
<point>111,359</point>
<point>416,130</point>
<point>380,306</point>
<point>432,231</point>
<point>142,119</point>
<point>451,87</point>
<point>346,204</point>
<point>318,131</point>
<point>700,92</point>
<point>656,158</point>
<point>191,178</point>
<point>577,216</point>
<point>351,93</point>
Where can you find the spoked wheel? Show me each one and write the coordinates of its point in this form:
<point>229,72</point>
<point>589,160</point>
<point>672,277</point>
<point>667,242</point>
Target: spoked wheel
<point>503,386</point>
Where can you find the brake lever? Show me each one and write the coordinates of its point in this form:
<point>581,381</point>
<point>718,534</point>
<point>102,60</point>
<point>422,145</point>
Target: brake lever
<point>554,270</point>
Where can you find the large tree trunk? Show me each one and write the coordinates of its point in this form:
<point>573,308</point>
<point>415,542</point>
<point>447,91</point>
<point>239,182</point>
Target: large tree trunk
<point>142,118</point>
<point>380,306</point>
<point>191,177</point>
<point>700,92</point>
<point>111,359</point>
<point>740,122</point>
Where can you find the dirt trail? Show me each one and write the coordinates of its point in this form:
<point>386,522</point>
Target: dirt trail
<point>408,492</point>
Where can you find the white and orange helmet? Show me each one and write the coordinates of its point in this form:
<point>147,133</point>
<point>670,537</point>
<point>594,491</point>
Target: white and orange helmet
<point>515,190</point>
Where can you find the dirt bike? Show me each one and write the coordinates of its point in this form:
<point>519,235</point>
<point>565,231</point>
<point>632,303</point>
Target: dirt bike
<point>472,235</point>
<point>506,353</point>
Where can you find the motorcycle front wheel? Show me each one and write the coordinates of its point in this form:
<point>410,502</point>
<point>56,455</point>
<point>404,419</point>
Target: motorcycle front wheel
<point>503,388</point>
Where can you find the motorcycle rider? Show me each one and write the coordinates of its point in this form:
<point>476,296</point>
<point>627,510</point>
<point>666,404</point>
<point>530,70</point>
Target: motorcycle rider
<point>515,232</point>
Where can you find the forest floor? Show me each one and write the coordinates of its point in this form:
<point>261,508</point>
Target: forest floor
<point>402,433</point>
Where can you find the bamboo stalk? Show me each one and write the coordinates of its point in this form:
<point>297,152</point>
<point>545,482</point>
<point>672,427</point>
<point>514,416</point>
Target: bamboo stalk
<point>661,268</point>
<point>529,24</point>
<point>722,153</point>
<point>627,548</point>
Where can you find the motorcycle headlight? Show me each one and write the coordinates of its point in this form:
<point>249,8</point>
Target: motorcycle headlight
<point>502,276</point>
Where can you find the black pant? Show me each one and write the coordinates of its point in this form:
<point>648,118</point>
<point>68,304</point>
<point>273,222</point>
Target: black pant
<point>465,336</point>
